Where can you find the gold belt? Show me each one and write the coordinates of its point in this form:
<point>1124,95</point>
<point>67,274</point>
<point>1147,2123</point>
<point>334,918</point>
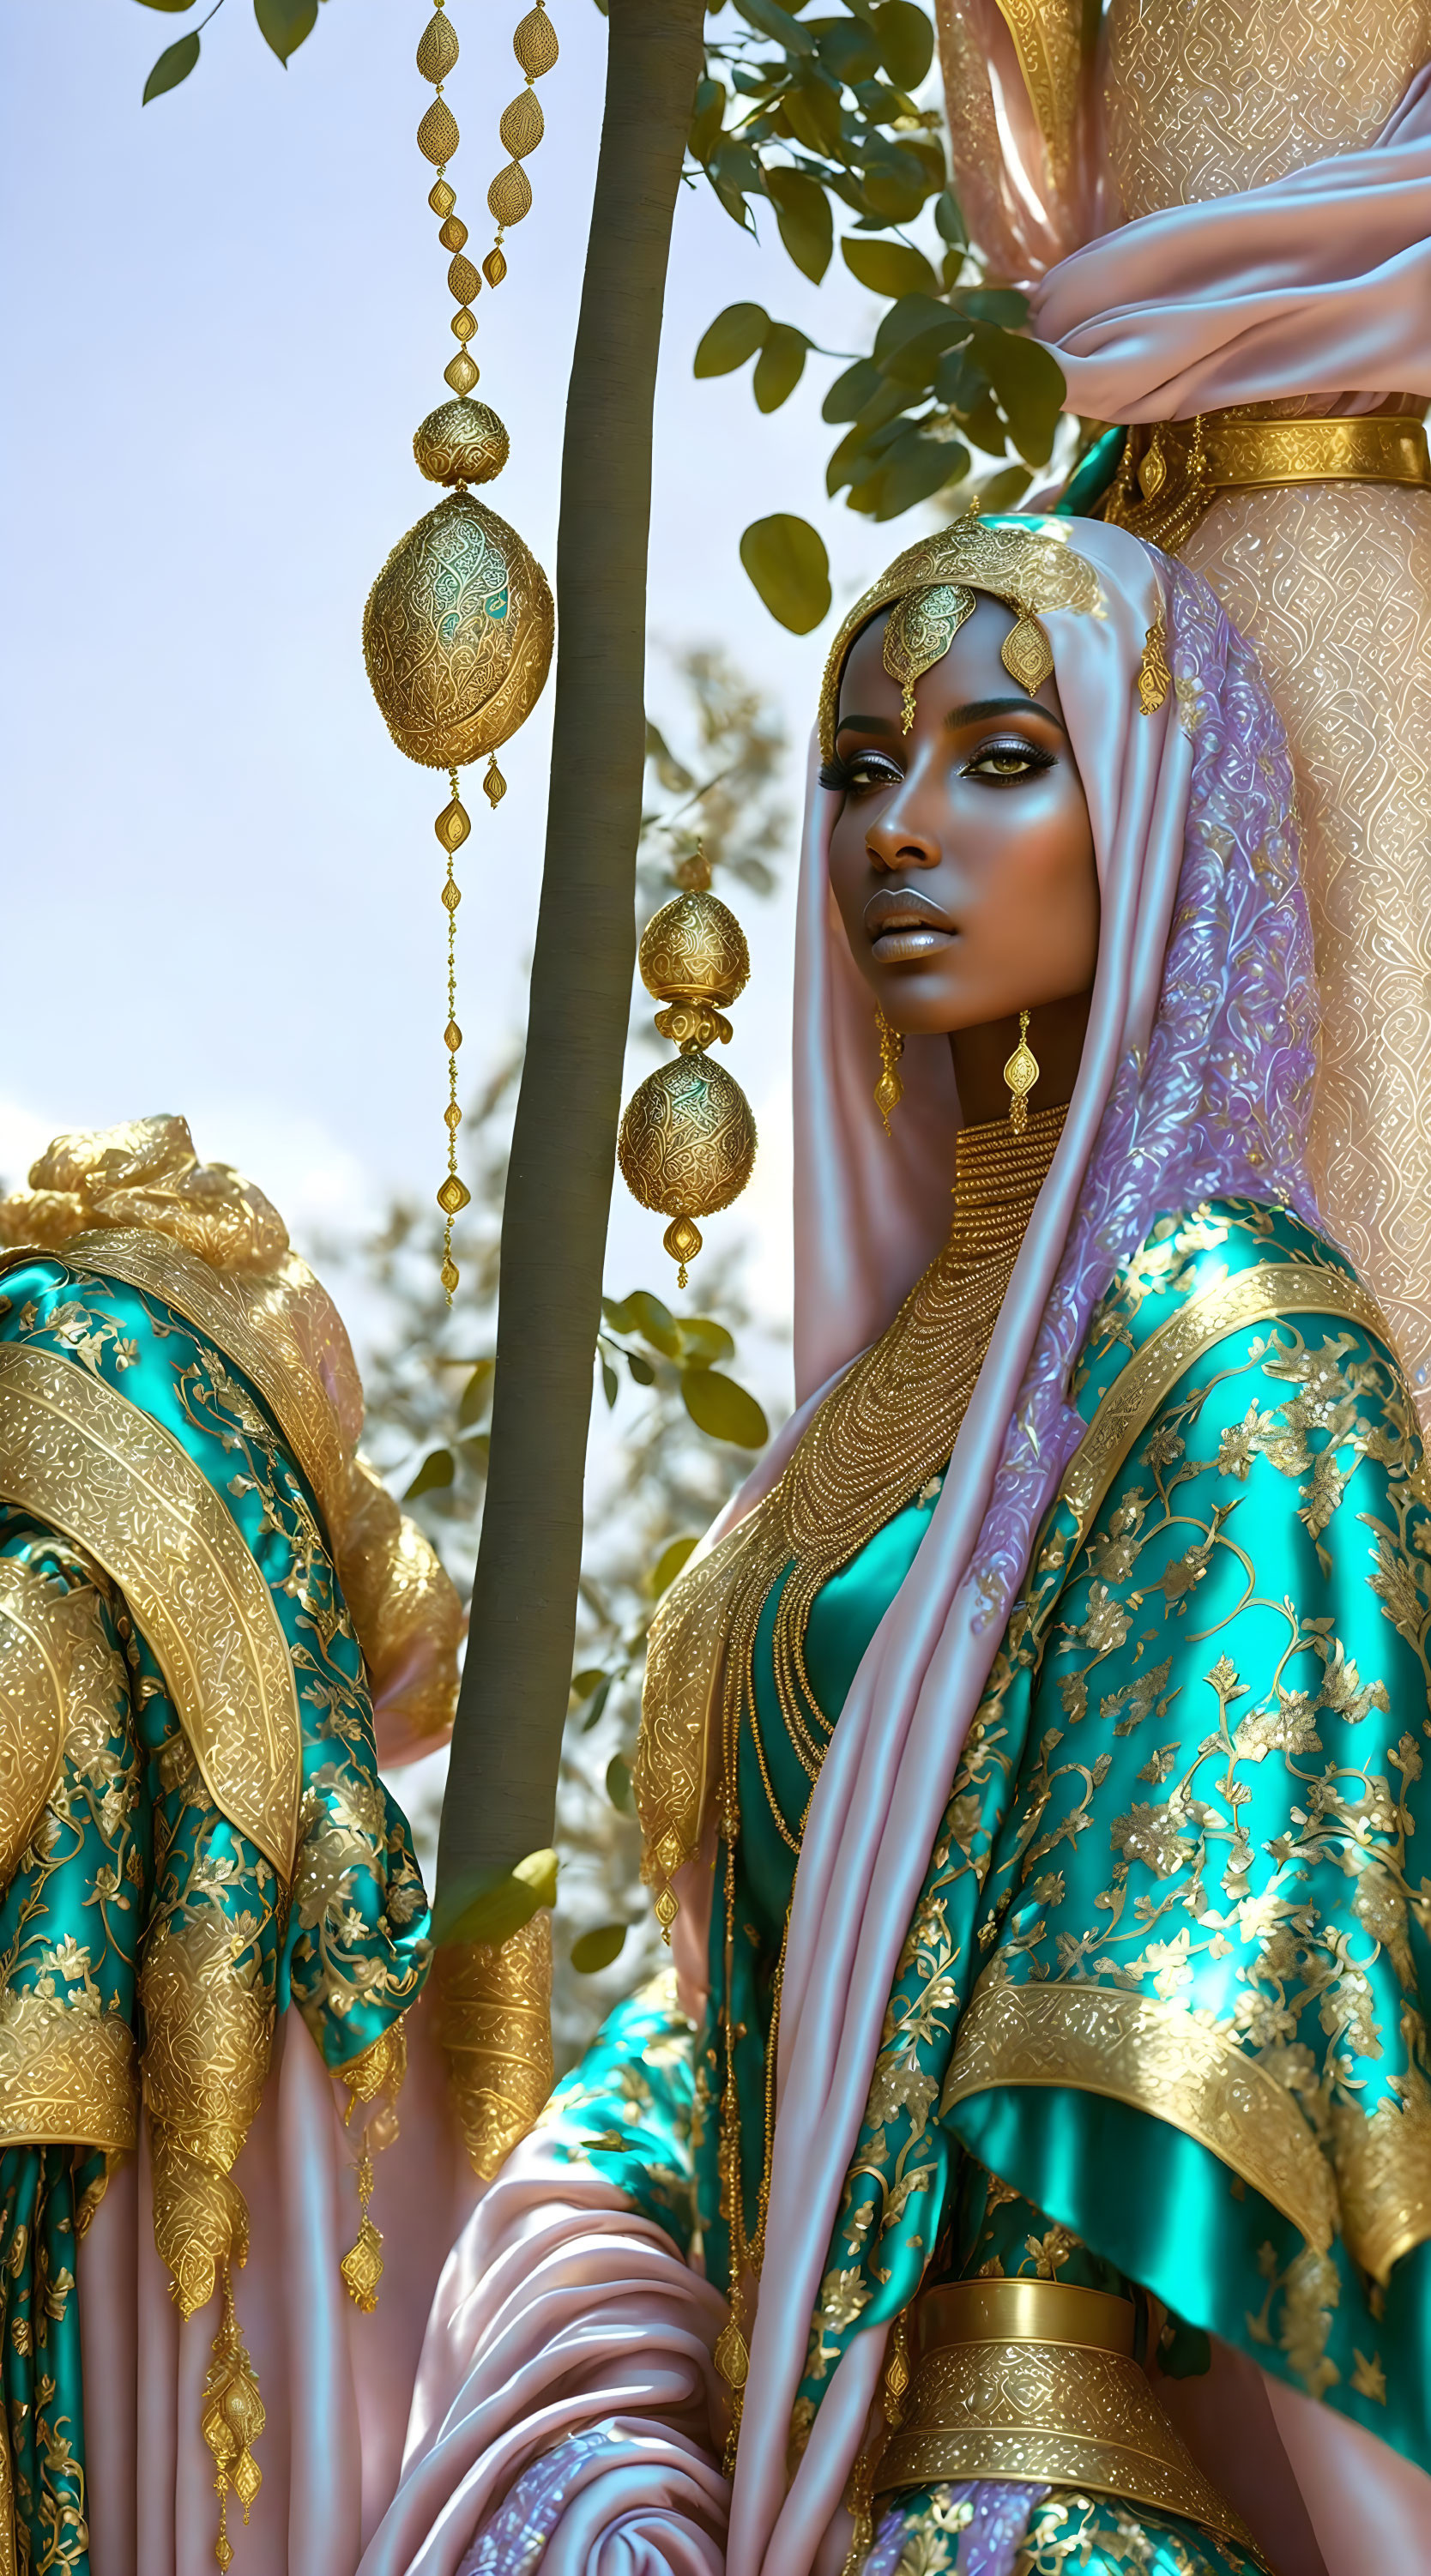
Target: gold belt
<point>1036,2381</point>
<point>1172,471</point>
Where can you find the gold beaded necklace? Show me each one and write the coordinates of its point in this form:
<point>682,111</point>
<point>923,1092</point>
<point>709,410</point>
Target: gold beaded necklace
<point>879,1437</point>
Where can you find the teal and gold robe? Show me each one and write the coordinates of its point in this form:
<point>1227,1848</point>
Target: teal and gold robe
<point>1159,2021</point>
<point>192,1829</point>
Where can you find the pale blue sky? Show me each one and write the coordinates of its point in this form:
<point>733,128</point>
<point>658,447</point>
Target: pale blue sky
<point>224,316</point>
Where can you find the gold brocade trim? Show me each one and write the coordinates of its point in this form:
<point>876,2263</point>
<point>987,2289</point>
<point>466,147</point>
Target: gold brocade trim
<point>1383,2167</point>
<point>1156,2058</point>
<point>1023,2310</point>
<point>1031,569</point>
<point>1048,39</point>
<point>211,1303</point>
<point>495,2023</point>
<point>93,1466</point>
<point>41,1631</point>
<point>66,2076</point>
<point>1172,471</point>
<point>1053,2411</point>
<point>1266,1294</point>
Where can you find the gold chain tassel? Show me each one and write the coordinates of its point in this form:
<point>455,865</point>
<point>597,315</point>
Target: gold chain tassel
<point>232,2420</point>
<point>452,828</point>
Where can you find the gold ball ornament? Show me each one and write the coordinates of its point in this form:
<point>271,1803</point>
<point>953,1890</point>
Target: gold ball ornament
<point>460,442</point>
<point>694,949</point>
<point>686,1147</point>
<point>457,634</point>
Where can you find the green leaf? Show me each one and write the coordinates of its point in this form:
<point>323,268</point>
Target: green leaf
<point>779,367</point>
<point>476,1394</point>
<point>722,1409</point>
<point>610,1383</point>
<point>888,268</point>
<point>895,183</point>
<point>950,221</point>
<point>174,65</point>
<point>173,7</point>
<point>1005,490</point>
<point>959,381</point>
<point>906,42</point>
<point>492,1903</point>
<point>850,392</point>
<point>807,226</point>
<point>704,1340</point>
<point>284,24</point>
<point>848,50</point>
<point>644,1314</point>
<point>786,559</point>
<point>668,1565</point>
<point>1028,381</point>
<point>618,1784</point>
<point>1002,305</point>
<point>599,1698</point>
<point>641,1369</point>
<point>596,1950</point>
<point>476,1447</point>
<point>916,468</point>
<point>584,1683</point>
<point>674,777</point>
<point>771,20</point>
<point>906,320</point>
<point>734,336</point>
<point>812,110</point>
<point>707,119</point>
<point>438,1468</point>
<point>734,172</point>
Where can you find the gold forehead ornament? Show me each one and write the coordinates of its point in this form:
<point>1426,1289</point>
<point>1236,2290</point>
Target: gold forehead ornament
<point>930,591</point>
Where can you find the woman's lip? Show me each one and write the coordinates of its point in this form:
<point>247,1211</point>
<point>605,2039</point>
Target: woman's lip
<point>909,940</point>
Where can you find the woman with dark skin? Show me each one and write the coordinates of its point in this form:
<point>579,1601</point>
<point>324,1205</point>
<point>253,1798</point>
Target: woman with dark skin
<point>1030,1764</point>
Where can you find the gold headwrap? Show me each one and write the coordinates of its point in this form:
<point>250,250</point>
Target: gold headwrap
<point>1030,568</point>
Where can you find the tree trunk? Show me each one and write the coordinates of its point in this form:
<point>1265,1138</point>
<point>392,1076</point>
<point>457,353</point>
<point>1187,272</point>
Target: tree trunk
<point>506,1747</point>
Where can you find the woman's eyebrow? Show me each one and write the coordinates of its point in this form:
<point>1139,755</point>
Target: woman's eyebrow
<point>864,724</point>
<point>982,708</point>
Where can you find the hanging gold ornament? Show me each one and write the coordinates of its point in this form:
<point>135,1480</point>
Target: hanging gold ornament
<point>687,1141</point>
<point>458,629</point>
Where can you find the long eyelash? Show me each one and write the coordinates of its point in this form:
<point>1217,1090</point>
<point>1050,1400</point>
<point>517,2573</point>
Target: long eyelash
<point>835,774</point>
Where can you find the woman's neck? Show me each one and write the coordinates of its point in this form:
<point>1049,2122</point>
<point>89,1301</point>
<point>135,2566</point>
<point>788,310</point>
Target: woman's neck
<point>1056,1033</point>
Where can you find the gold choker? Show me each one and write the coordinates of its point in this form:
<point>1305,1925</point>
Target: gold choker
<point>1036,2381</point>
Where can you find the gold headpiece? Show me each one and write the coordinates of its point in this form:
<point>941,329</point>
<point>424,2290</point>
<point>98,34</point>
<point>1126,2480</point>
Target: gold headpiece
<point>1032,568</point>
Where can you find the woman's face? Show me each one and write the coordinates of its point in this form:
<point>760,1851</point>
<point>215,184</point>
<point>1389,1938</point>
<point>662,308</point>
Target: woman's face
<point>962,859</point>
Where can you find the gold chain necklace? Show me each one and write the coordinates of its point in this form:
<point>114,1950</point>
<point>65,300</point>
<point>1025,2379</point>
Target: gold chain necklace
<point>889,1425</point>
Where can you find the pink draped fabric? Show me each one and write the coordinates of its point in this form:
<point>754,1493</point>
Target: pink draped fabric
<point>1322,279</point>
<point>336,2384</point>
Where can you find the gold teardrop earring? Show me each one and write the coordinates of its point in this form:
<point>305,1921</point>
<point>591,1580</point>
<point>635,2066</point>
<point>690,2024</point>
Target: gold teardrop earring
<point>889,1090</point>
<point>1021,1073</point>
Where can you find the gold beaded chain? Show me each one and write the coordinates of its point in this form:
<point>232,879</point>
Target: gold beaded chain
<point>509,198</point>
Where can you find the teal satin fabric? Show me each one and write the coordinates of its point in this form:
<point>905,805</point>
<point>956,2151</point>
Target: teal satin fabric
<point>132,1844</point>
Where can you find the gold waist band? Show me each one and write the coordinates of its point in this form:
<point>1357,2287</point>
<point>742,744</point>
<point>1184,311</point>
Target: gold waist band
<point>1035,2381</point>
<point>1172,471</point>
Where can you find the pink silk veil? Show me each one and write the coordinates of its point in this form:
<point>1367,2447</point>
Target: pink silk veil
<point>1196,1077</point>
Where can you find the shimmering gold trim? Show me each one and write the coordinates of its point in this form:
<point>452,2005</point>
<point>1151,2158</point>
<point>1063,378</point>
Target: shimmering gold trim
<point>1171,471</point>
<point>1048,39</point>
<point>1050,2413</point>
<point>495,2007</point>
<point>88,1462</point>
<point>66,2076</point>
<point>210,1302</point>
<point>41,1628</point>
<point>1155,2057</point>
<point>1384,2176</point>
<point>1267,1293</point>
<point>1023,2311</point>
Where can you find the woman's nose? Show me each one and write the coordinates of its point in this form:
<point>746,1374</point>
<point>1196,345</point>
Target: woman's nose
<point>897,841</point>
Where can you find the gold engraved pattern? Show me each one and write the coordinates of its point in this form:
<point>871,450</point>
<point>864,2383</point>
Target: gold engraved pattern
<point>66,2075</point>
<point>495,2008</point>
<point>1215,96</point>
<point>1384,2179</point>
<point>1048,39</point>
<point>458,634</point>
<point>1155,2056</point>
<point>88,1463</point>
<point>41,1631</point>
<point>1054,2414</point>
<point>208,2036</point>
<point>1333,586</point>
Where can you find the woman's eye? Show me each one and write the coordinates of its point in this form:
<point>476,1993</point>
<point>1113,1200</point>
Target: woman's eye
<point>867,770</point>
<point>1007,760</point>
